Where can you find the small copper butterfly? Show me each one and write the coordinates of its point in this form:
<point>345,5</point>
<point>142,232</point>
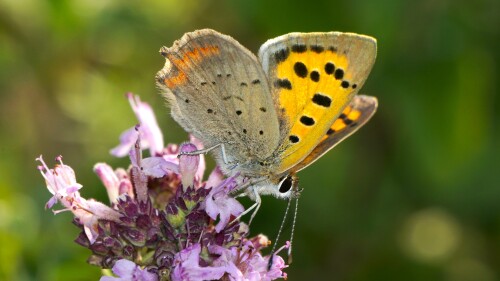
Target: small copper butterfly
<point>269,117</point>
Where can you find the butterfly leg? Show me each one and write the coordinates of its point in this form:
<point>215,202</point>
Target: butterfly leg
<point>206,150</point>
<point>245,184</point>
<point>232,167</point>
<point>255,207</point>
<point>257,204</point>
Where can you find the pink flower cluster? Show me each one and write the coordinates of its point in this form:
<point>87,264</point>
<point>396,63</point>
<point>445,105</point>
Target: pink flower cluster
<point>164,222</point>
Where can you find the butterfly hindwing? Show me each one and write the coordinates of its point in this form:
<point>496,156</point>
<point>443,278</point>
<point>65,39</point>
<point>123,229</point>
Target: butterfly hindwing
<point>313,77</point>
<point>353,117</point>
<point>218,91</point>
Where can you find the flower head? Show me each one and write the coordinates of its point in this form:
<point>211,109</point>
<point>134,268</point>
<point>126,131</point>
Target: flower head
<point>61,182</point>
<point>165,222</point>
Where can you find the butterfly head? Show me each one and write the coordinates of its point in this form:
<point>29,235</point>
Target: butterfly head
<point>287,185</point>
<point>282,186</point>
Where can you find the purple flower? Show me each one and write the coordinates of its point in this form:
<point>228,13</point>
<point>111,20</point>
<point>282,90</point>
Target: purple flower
<point>188,165</point>
<point>215,178</point>
<point>219,203</point>
<point>243,263</point>
<point>151,135</point>
<point>187,266</point>
<point>158,166</point>
<point>108,178</point>
<point>129,271</point>
<point>61,182</point>
<point>246,263</point>
<point>201,163</point>
<point>162,223</point>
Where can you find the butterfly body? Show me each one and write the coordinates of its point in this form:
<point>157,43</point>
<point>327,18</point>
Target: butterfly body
<point>271,116</point>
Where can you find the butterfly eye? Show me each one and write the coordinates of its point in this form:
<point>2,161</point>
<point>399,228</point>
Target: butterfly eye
<point>286,184</point>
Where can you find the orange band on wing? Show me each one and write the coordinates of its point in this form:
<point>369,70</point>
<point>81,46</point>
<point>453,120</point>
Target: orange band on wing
<point>176,80</point>
<point>354,115</point>
<point>197,54</point>
<point>338,125</point>
<point>348,116</point>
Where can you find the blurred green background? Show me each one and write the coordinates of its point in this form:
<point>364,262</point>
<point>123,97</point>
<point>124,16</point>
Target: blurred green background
<point>414,195</point>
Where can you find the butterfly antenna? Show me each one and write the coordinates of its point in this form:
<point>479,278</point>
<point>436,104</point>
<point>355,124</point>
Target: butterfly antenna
<point>293,230</point>
<point>270,263</point>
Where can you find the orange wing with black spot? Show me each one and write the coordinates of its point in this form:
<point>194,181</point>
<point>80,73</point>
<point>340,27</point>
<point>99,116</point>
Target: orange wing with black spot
<point>353,117</point>
<point>313,77</point>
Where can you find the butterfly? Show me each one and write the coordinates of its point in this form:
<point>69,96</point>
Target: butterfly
<point>268,117</point>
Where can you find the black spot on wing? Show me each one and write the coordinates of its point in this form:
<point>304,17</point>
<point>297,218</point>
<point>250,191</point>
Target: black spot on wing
<point>339,73</point>
<point>314,76</point>
<point>329,68</point>
<point>283,83</point>
<point>306,120</point>
<point>317,48</point>
<point>299,48</point>
<point>322,100</point>
<point>281,55</point>
<point>344,84</point>
<point>300,69</point>
<point>293,138</point>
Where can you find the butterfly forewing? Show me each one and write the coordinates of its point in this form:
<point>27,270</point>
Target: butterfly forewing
<point>313,77</point>
<point>218,91</point>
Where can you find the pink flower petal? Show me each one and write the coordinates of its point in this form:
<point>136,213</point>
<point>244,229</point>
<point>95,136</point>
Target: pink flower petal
<point>109,179</point>
<point>158,167</point>
<point>215,178</point>
<point>150,131</point>
<point>187,267</point>
<point>219,203</point>
<point>188,165</point>
<point>124,268</point>
<point>127,141</point>
<point>201,165</point>
<point>128,271</point>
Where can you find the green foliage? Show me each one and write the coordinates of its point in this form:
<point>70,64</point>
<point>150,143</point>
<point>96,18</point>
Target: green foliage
<point>412,196</point>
